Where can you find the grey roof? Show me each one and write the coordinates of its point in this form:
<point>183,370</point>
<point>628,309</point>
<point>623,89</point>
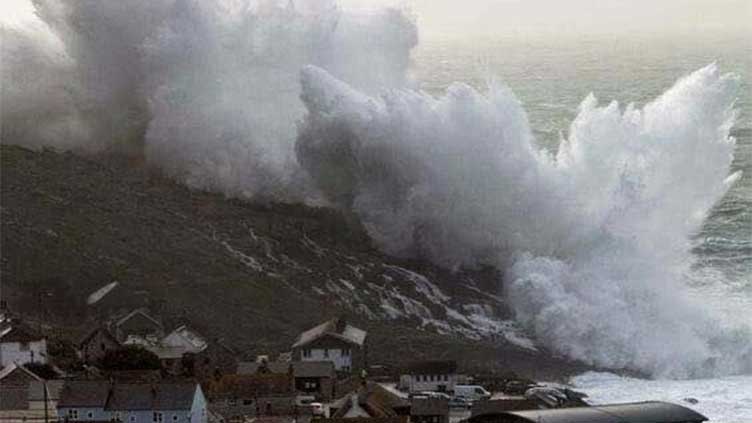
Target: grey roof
<point>432,367</point>
<point>128,396</point>
<point>252,367</point>
<point>13,368</point>
<point>19,333</point>
<point>84,393</point>
<point>143,396</point>
<point>345,332</point>
<point>639,412</point>
<point>138,311</point>
<point>313,369</point>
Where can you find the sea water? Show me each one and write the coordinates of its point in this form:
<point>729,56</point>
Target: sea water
<point>551,76</point>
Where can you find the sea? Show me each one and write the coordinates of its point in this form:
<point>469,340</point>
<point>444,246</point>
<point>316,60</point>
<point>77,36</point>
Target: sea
<point>551,76</point>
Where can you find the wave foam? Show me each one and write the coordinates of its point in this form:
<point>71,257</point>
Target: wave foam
<point>598,235</point>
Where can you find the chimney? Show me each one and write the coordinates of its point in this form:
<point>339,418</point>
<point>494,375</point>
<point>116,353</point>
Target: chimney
<point>340,324</point>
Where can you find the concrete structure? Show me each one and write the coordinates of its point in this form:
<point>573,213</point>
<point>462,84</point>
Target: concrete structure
<point>438,376</point>
<point>165,402</point>
<point>335,341</point>
<point>643,412</point>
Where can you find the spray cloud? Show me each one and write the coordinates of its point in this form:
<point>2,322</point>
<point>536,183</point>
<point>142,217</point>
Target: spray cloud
<point>593,240</point>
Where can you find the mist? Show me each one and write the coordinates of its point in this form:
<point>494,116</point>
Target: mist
<point>309,102</point>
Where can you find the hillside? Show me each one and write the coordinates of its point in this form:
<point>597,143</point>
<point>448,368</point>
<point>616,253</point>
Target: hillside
<point>254,275</point>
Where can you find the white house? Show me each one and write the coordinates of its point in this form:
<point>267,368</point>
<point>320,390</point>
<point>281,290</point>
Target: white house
<point>438,376</point>
<point>21,345</point>
<point>335,341</point>
<point>165,402</point>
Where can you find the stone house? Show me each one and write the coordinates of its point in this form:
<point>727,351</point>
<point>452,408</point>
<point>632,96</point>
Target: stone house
<point>315,378</point>
<point>370,401</point>
<point>440,376</point>
<point>240,396</point>
<point>164,402</point>
<point>335,341</point>
<point>93,347</point>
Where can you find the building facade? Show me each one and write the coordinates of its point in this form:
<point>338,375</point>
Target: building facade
<point>21,345</point>
<point>166,402</point>
<point>439,376</point>
<point>336,341</point>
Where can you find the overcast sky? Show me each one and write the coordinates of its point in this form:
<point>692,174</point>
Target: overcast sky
<point>498,17</point>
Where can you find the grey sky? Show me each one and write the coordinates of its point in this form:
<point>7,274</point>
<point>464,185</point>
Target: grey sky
<point>494,17</point>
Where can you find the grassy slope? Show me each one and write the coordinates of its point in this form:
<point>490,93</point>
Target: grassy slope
<point>72,224</point>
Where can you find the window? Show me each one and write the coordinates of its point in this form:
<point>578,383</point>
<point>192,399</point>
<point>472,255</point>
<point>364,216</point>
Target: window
<point>233,402</point>
<point>174,417</point>
<point>90,415</point>
<point>73,414</point>
<point>326,352</point>
<point>346,369</point>
<point>102,346</point>
<point>345,352</point>
<point>116,417</point>
<point>306,353</point>
<point>158,417</point>
<point>132,419</point>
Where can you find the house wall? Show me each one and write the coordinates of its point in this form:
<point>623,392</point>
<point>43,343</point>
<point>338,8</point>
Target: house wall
<point>23,352</point>
<point>97,346</point>
<point>137,416</point>
<point>328,348</point>
<point>84,413</point>
<point>416,383</point>
<point>323,392</point>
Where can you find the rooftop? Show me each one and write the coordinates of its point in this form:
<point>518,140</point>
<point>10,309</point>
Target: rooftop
<point>434,367</point>
<point>128,396</point>
<point>337,328</point>
<point>642,412</point>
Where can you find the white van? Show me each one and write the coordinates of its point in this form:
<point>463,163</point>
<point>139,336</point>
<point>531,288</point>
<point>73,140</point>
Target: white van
<point>471,392</point>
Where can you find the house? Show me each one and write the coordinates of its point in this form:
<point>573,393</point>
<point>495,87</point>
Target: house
<point>165,402</point>
<point>335,341</point>
<point>20,344</point>
<point>316,378</point>
<point>438,376</point>
<point>14,388</point>
<point>643,412</point>
<point>200,358</point>
<point>137,324</point>
<point>429,410</point>
<point>370,400</point>
<point>235,397</point>
<point>94,346</point>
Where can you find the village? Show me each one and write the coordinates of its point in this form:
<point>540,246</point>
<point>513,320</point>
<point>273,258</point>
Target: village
<point>131,369</point>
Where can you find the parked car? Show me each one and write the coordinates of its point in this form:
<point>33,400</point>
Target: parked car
<point>430,394</point>
<point>460,402</point>
<point>304,400</point>
<point>471,392</point>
